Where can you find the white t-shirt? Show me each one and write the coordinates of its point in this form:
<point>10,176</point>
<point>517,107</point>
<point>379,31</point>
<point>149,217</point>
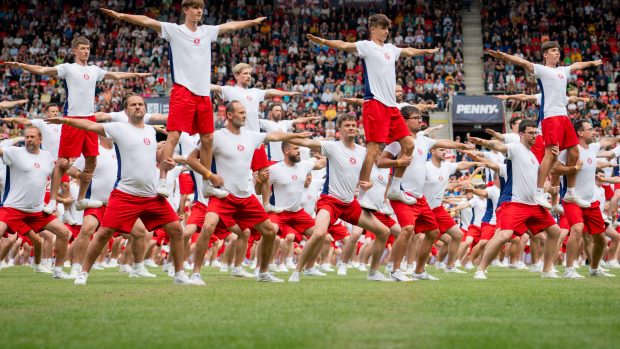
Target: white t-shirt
<point>3,144</point>
<point>585,178</point>
<point>274,149</point>
<point>251,99</point>
<point>50,134</point>
<point>379,64</point>
<point>436,181</point>
<point>414,177</point>
<point>380,178</point>
<point>104,176</point>
<point>121,116</point>
<point>492,199</point>
<point>343,169</point>
<point>232,157</point>
<point>78,216</point>
<point>599,195</point>
<point>497,158</point>
<point>522,169</point>
<point>288,182</point>
<point>190,55</point>
<point>136,151</point>
<point>81,82</point>
<point>26,178</point>
<point>172,185</point>
<point>465,216</point>
<point>511,138</point>
<point>552,82</point>
<point>197,179</point>
<point>309,198</point>
<point>401,105</point>
<point>186,144</point>
<point>478,206</point>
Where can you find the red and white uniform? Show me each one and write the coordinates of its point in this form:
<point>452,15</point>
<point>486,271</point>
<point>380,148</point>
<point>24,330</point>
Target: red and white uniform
<point>121,116</point>
<point>478,206</point>
<point>591,217</point>
<point>274,149</point>
<point>490,219</point>
<point>376,194</point>
<point>81,85</point>
<point>104,176</point>
<point>435,184</point>
<point>309,197</point>
<point>251,99</point>
<point>50,134</point>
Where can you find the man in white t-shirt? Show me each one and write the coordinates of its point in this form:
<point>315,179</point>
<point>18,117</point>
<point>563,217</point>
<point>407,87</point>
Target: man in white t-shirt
<point>383,124</point>
<point>81,82</point>
<point>417,217</point>
<point>233,150</point>
<point>344,162</point>
<point>584,220</point>
<point>557,129</point>
<point>134,195</point>
<point>26,177</point>
<point>121,116</point>
<point>191,110</point>
<point>520,207</point>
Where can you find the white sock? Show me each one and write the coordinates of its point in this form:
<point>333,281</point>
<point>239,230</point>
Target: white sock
<point>570,191</point>
<point>138,266</point>
<point>76,266</point>
<point>52,203</point>
<point>395,186</point>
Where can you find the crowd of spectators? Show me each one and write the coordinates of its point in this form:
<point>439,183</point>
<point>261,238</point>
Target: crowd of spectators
<point>40,33</point>
<point>586,30</point>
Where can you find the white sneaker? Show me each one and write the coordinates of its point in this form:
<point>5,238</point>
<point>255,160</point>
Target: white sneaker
<point>87,203</point>
<point>41,268</point>
<point>98,266</point>
<point>267,277</point>
<point>342,270</point>
<point>209,190</point>
<point>50,207</point>
<point>613,264</point>
<point>386,209</point>
<point>216,264</point>
<point>81,278</point>
<point>367,204</point>
<point>541,199</point>
<point>457,263</point>
<point>281,268</point>
<point>389,267</point>
<point>161,188</point>
<point>167,266</point>
<point>424,276</point>
<point>469,266</point>
<point>480,275</point>
<point>522,266</point>
<point>289,264</point>
<point>602,264</point>
<point>171,272</point>
<point>401,196</point>
<point>150,263</point>
<point>362,267</point>
<point>59,274</point>
<point>398,275</point>
<point>67,218</point>
<point>113,263</point>
<point>182,279</point>
<point>269,208</point>
<point>224,268</point>
<point>496,263</point>
<point>240,272</point>
<point>75,269</point>
<point>253,264</point>
<point>410,270</point>
<point>575,199</point>
<point>557,210</point>
<point>440,265</point>
<point>536,268</point>
<point>378,276</point>
<point>570,273</point>
<point>600,273</point>
<point>124,268</point>
<point>549,275</point>
<point>454,270</point>
<point>195,279</point>
<point>294,277</point>
<point>326,268</point>
<point>141,273</point>
<point>313,272</point>
<point>513,265</point>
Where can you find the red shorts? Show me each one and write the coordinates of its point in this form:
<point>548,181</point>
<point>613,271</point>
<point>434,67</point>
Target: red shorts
<point>189,112</point>
<point>75,230</point>
<point>475,232</point>
<point>518,231</point>
<point>539,148</point>
<point>383,124</point>
<point>260,160</point>
<point>124,209</point>
<point>218,234</point>
<point>591,217</point>
<point>186,184</point>
<point>443,219</point>
<point>15,219</point>
<point>390,240</point>
<point>534,217</point>
<point>385,219</point>
<point>75,142</point>
<point>160,237</point>
<point>21,229</point>
<point>369,235</point>
<point>349,213</point>
<point>488,231</point>
<point>338,231</point>
<point>26,240</point>
<point>563,222</point>
<point>246,212</point>
<point>198,214</point>
<point>609,191</point>
<point>464,235</point>
<point>419,215</point>
<point>98,213</point>
<point>65,178</point>
<point>558,130</point>
<point>294,223</point>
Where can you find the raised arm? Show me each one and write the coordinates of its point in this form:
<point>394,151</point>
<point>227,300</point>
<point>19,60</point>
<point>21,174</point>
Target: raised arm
<point>491,132</point>
<point>449,144</point>
<point>34,69</point>
<point>585,65</point>
<point>337,44</point>
<point>527,65</point>
<point>412,52</point>
<point>238,25</point>
<point>272,92</point>
<point>157,118</point>
<point>483,161</point>
<point>79,123</point>
<point>140,20</point>
<point>608,141</point>
<point>425,106</point>
<point>125,75</point>
<point>518,97</point>
<point>284,136</point>
<point>354,101</point>
<point>305,119</point>
<point>466,165</point>
<point>12,104</point>
<point>103,117</point>
<point>575,99</point>
<point>21,121</point>
<point>430,130</point>
<point>490,144</point>
<point>320,163</point>
<point>313,144</point>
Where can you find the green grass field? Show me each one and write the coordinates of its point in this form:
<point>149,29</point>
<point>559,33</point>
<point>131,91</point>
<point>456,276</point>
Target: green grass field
<point>512,309</point>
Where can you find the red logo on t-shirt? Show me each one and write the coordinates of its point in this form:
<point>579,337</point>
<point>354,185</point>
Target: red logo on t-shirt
<point>36,165</point>
<point>387,56</point>
<point>589,161</point>
<point>196,41</point>
<point>240,147</point>
<point>249,98</point>
<point>309,197</point>
<point>294,177</point>
<point>146,141</point>
<point>352,161</point>
<point>86,77</point>
<point>114,157</point>
<point>560,76</point>
<point>380,177</point>
<point>419,151</point>
<point>441,178</point>
<point>533,161</point>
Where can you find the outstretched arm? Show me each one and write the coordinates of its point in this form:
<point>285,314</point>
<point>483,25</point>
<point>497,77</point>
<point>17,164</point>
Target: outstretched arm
<point>238,25</point>
<point>306,119</point>
<point>34,69</point>
<point>494,134</point>
<point>337,44</point>
<point>430,130</point>
<point>272,92</point>
<point>21,121</point>
<point>412,52</point>
<point>125,75</point>
<point>449,144</point>
<point>103,117</point>
<point>490,144</point>
<point>575,99</point>
<point>143,21</point>
<point>354,101</point>
<point>313,144</point>
<point>12,104</point>
<point>527,65</point>
<point>466,165</point>
<point>79,123</point>
<point>584,65</point>
<point>518,97</point>
<point>482,161</point>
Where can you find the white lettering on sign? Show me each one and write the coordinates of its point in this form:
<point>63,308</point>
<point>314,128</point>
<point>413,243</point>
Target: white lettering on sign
<point>477,109</point>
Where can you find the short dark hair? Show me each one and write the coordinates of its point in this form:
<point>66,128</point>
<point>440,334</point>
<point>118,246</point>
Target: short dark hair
<point>230,107</point>
<point>514,120</point>
<point>49,105</point>
<point>273,105</point>
<point>345,117</point>
<point>578,124</point>
<point>406,111</point>
<point>285,145</point>
<point>193,3</point>
<point>127,96</point>
<point>79,40</point>
<point>548,45</point>
<point>379,20</point>
<point>525,124</point>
